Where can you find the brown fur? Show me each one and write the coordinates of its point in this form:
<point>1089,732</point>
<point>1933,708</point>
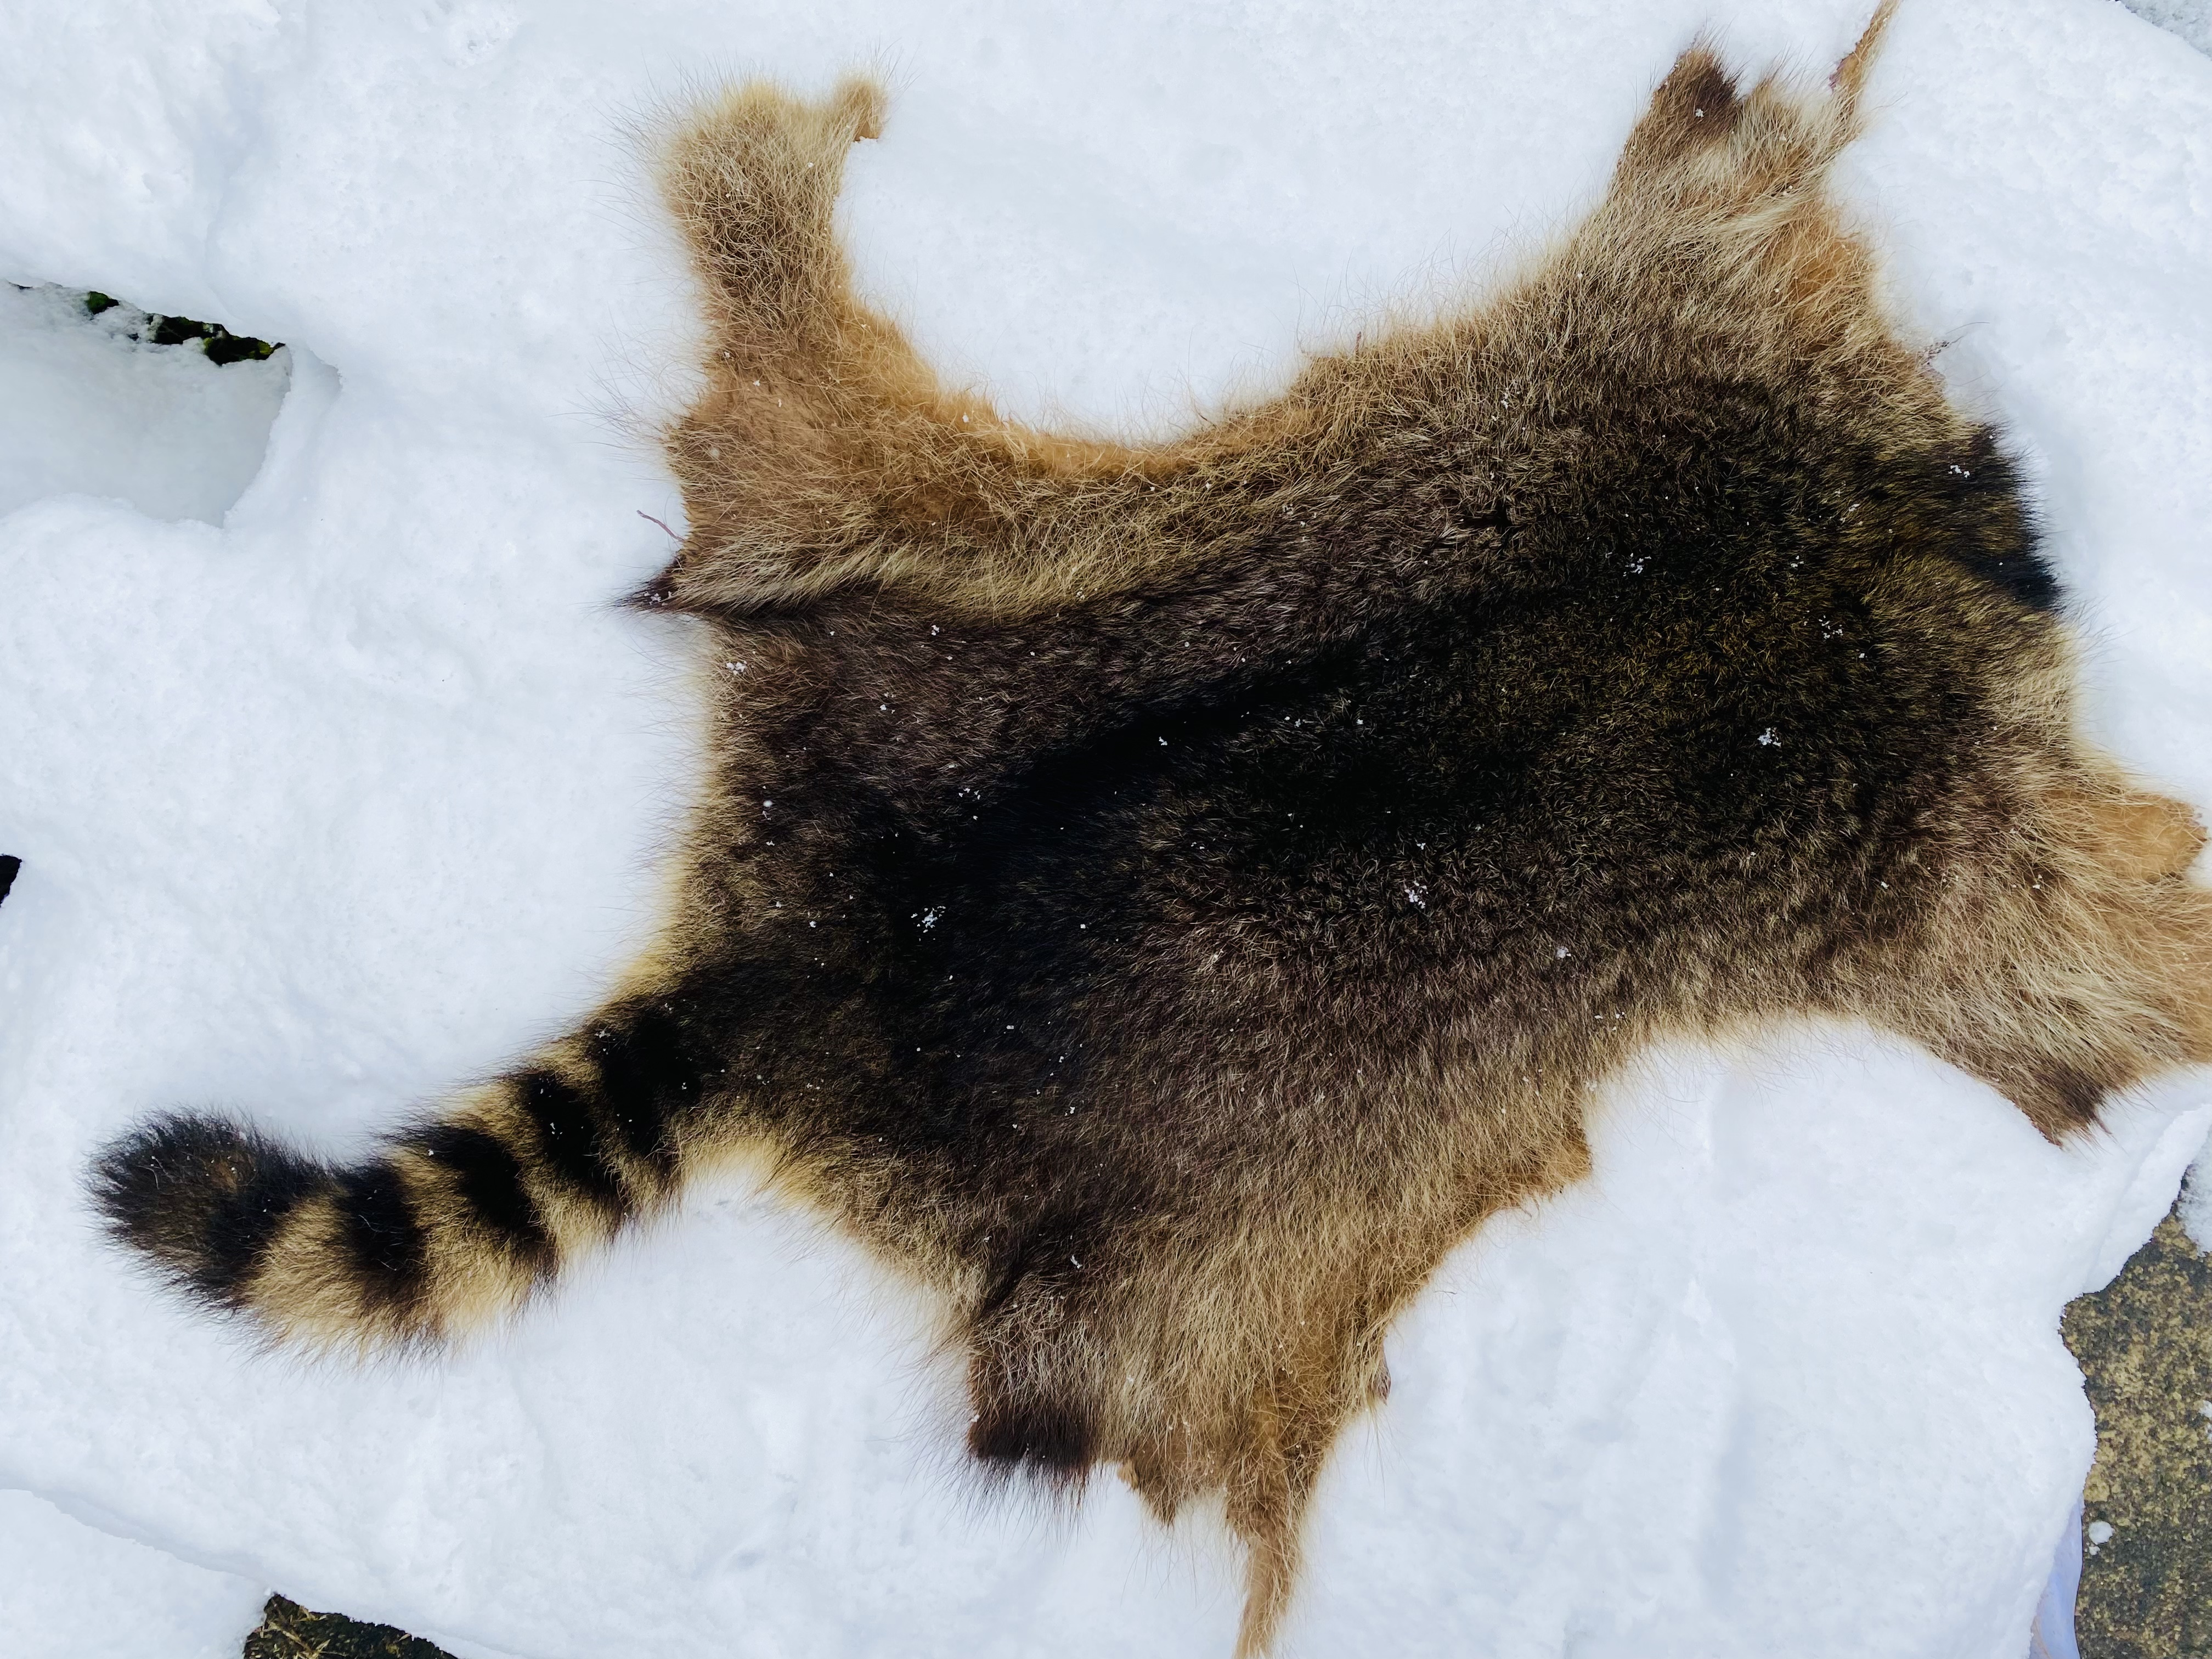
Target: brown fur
<point>1163,897</point>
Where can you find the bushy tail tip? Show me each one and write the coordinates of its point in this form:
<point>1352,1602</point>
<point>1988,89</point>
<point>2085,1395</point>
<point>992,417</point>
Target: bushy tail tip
<point>202,1199</point>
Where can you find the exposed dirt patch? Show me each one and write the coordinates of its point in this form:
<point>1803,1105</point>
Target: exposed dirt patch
<point>288,1631</point>
<point>2145,1345</point>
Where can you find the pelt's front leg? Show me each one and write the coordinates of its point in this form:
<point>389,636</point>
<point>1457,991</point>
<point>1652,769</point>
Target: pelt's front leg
<point>2076,967</point>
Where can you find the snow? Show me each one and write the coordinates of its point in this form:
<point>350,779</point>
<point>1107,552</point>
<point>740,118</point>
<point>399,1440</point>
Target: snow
<point>88,407</point>
<point>2052,1636</point>
<point>2190,19</point>
<point>2197,1204</point>
<point>341,785</point>
<point>72,1591</point>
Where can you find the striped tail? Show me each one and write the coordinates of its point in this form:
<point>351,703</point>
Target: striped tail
<point>456,1221</point>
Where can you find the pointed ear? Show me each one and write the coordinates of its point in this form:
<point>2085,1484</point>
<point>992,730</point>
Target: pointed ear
<point>1695,108</point>
<point>1704,132</point>
<point>1851,74</point>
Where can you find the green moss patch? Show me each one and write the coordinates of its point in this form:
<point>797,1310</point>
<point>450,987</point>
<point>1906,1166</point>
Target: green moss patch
<point>221,345</point>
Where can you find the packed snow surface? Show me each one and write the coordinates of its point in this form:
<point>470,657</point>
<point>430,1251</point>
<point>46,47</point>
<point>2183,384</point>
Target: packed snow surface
<point>72,1591</point>
<point>338,791</point>
<point>2190,19</point>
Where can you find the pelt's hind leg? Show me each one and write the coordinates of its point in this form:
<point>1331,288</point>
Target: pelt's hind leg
<point>753,178</point>
<point>824,454</point>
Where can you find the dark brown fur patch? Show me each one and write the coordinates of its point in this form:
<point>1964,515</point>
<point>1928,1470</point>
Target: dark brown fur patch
<point>1165,897</point>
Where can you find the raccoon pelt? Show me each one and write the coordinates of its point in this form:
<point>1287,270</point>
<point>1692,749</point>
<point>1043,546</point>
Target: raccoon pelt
<point>1163,897</point>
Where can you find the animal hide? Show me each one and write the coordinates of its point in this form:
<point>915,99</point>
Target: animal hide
<point>1163,898</point>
